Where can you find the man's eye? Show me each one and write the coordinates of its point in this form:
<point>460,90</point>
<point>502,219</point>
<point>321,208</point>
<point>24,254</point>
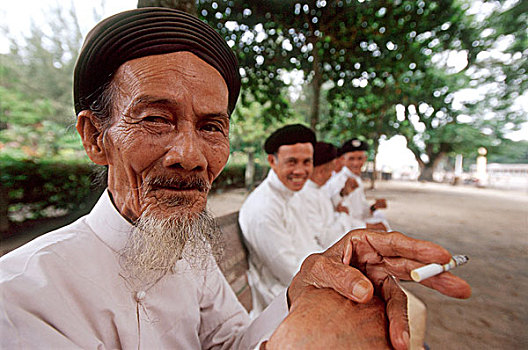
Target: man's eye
<point>155,119</point>
<point>211,127</point>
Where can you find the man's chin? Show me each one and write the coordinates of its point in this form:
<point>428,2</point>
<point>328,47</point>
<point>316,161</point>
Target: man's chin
<point>296,186</point>
<point>178,206</point>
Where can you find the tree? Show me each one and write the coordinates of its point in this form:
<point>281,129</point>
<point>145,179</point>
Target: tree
<point>361,59</point>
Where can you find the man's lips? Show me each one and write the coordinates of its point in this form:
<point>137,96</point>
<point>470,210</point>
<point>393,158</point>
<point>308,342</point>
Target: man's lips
<point>298,180</point>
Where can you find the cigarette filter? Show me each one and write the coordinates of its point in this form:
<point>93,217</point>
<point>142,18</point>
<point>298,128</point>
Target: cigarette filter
<point>431,270</point>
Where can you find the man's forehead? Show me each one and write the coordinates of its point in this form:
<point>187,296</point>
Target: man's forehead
<point>304,148</point>
<point>184,64</point>
<point>355,154</point>
<point>162,79</point>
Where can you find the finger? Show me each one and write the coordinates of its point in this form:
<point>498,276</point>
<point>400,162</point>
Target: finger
<point>397,244</point>
<point>396,308</point>
<point>344,279</point>
<point>449,284</point>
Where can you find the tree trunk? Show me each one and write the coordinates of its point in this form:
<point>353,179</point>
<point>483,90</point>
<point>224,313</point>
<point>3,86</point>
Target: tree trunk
<point>426,173</point>
<point>4,211</point>
<point>427,169</point>
<point>250,170</point>
<point>374,173</point>
<point>316,86</point>
<point>188,6</point>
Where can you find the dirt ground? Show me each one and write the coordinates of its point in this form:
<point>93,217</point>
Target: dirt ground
<point>489,226</point>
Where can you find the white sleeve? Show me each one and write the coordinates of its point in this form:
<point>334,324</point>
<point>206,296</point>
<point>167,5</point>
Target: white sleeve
<point>275,247</point>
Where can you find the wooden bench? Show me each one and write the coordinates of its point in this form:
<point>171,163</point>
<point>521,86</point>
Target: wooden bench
<point>234,262</point>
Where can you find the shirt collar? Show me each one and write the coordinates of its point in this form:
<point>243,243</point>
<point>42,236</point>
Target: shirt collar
<point>108,224</point>
<point>311,184</point>
<point>347,172</point>
<point>277,185</point>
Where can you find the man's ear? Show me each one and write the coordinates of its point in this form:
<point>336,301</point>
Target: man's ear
<point>272,160</point>
<point>91,136</point>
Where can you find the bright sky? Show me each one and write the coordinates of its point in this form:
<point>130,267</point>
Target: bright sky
<point>16,16</point>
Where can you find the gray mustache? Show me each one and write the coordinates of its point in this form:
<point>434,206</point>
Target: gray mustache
<point>188,183</point>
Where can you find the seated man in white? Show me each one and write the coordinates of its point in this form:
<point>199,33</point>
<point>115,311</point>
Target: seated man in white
<point>346,188</point>
<point>328,224</point>
<point>271,219</point>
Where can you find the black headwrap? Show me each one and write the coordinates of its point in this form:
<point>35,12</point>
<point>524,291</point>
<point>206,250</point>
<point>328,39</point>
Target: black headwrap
<point>144,32</point>
<point>353,145</point>
<point>289,135</point>
<point>323,153</point>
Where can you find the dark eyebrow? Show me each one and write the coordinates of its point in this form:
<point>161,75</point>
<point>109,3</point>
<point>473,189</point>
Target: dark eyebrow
<point>220,115</point>
<point>147,99</point>
<point>154,100</point>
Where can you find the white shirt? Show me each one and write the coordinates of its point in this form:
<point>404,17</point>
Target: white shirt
<point>328,225</point>
<point>355,201</point>
<point>277,237</point>
<point>65,290</point>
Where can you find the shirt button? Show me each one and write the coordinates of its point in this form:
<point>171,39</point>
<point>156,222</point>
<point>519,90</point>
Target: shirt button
<point>140,295</point>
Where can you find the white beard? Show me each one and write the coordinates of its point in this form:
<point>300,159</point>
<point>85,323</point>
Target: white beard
<point>156,244</point>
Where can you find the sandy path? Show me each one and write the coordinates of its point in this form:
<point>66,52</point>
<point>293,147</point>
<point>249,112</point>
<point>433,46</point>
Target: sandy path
<point>489,226</point>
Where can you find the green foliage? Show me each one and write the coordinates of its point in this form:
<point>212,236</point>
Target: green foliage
<point>362,59</point>
<point>249,127</point>
<point>509,152</point>
<point>233,176</point>
<point>40,185</point>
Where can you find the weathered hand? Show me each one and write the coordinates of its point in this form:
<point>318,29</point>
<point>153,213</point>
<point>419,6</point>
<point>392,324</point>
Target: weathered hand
<point>380,204</point>
<point>362,256</point>
<point>350,185</point>
<point>342,209</point>
<point>323,319</point>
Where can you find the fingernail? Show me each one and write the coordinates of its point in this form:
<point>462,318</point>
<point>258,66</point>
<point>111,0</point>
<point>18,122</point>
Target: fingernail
<point>361,289</point>
<point>346,257</point>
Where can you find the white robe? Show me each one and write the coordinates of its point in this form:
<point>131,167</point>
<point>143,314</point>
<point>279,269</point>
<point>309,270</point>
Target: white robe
<point>328,225</point>
<point>355,201</point>
<point>277,237</point>
<point>65,290</point>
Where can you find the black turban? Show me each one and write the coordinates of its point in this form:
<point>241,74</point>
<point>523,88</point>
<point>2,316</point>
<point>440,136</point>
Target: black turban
<point>324,153</point>
<point>144,32</point>
<point>289,135</point>
<point>354,145</point>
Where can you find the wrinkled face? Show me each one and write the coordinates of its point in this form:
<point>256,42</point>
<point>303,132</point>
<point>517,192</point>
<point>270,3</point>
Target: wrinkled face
<point>355,161</point>
<point>168,139</point>
<point>323,172</point>
<point>293,164</point>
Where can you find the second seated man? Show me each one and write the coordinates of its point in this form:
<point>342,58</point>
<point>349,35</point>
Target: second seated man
<point>271,219</point>
<point>318,210</point>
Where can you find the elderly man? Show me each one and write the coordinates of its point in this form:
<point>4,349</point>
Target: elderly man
<point>317,209</point>
<point>153,92</point>
<point>346,188</point>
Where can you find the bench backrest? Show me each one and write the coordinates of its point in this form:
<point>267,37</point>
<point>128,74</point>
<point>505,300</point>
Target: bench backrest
<point>234,262</point>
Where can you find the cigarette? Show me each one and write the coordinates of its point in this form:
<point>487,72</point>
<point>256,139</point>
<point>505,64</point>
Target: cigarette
<point>431,270</point>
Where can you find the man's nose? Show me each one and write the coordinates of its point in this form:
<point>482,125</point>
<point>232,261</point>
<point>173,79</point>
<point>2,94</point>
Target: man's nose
<point>302,168</point>
<point>186,152</point>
